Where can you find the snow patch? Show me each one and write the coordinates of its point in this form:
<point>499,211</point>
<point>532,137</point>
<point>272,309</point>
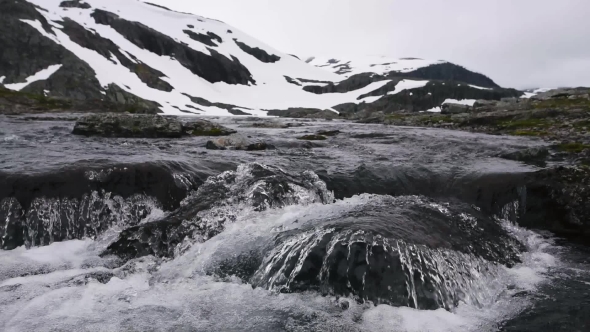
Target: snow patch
<point>479,87</point>
<point>407,85</point>
<point>468,102</point>
<point>39,76</point>
<point>380,65</point>
<point>434,110</point>
<point>2,79</point>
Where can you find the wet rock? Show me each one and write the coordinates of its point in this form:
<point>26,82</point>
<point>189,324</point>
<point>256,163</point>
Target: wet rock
<point>274,125</point>
<point>558,200</point>
<point>144,126</point>
<point>205,128</point>
<point>313,138</point>
<point>528,155</point>
<point>205,213</point>
<point>328,132</point>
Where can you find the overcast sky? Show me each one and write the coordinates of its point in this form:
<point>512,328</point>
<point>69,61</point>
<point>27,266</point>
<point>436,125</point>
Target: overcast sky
<point>518,43</point>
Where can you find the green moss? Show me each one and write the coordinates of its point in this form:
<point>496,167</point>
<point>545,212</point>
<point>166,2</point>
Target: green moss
<point>312,138</point>
<point>572,147</point>
<point>525,123</point>
<point>563,103</point>
<point>34,99</point>
<point>434,118</point>
<point>529,133</point>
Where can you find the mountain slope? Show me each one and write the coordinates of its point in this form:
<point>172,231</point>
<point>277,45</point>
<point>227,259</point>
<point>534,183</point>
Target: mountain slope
<point>150,57</point>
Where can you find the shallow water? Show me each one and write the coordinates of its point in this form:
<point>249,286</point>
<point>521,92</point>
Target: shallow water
<point>376,229</point>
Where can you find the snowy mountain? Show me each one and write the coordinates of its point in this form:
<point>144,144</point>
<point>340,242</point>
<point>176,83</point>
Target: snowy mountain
<point>381,65</point>
<point>140,54</point>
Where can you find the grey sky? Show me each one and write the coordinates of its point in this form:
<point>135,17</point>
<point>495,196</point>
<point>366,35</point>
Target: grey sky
<point>518,43</point>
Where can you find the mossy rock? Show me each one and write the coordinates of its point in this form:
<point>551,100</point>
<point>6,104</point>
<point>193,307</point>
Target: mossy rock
<point>572,147</point>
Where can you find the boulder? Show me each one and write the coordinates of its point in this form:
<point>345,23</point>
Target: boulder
<point>455,108</point>
<point>205,128</point>
<point>485,103</point>
<point>144,126</point>
<point>312,138</point>
<point>237,142</point>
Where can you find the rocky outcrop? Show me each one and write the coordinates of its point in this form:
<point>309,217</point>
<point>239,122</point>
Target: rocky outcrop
<point>449,72</point>
<point>213,68</point>
<point>433,94</point>
<point>564,93</point>
<point>304,113</point>
<point>75,4</point>
<point>237,142</point>
<point>352,83</point>
<point>558,199</point>
<point>144,126</point>
<point>15,102</point>
<point>205,39</point>
<point>451,108</point>
<point>25,51</point>
<point>106,48</point>
<point>258,53</point>
<point>233,109</point>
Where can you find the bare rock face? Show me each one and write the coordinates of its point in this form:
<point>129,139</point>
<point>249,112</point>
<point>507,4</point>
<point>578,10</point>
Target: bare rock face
<point>145,126</point>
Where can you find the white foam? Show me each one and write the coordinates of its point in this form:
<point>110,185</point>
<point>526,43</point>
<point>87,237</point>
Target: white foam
<point>180,294</point>
<point>2,79</point>
<point>39,76</point>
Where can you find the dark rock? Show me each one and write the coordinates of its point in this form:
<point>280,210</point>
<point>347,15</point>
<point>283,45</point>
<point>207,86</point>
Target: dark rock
<point>190,26</point>
<point>205,39</point>
<point>260,147</point>
<point>205,128</point>
<point>304,113</point>
<point>145,126</point>
<point>450,72</point>
<point>213,68</point>
<point>75,4</point>
<point>312,137</point>
<point>128,125</point>
<point>258,53</point>
<point>292,81</point>
<point>558,200</point>
<point>328,132</point>
<point>256,186</point>
<point>528,155</point>
<point>273,124</point>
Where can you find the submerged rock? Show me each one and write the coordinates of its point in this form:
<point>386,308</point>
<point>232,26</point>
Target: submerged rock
<point>145,126</point>
<point>328,132</point>
<point>312,138</point>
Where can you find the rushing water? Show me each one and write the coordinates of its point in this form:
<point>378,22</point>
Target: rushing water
<point>376,229</point>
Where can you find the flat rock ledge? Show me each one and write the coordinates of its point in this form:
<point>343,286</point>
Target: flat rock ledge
<point>145,126</point>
